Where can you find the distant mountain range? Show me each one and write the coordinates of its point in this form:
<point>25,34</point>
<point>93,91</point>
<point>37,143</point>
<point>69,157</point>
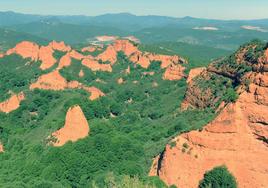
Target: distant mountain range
<point>225,34</point>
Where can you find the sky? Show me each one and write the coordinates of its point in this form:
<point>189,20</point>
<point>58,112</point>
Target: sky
<point>216,9</point>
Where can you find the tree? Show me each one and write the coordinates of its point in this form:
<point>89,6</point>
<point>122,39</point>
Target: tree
<point>218,177</point>
<point>231,95</point>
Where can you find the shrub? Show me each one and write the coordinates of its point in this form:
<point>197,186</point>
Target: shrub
<point>218,177</point>
<point>231,95</point>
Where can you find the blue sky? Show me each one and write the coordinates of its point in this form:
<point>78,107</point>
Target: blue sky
<point>218,9</point>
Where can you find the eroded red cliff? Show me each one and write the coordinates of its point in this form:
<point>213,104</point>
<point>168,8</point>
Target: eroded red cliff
<point>76,127</point>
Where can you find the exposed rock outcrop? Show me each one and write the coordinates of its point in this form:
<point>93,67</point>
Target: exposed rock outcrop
<point>89,49</point>
<point>12,103</point>
<point>50,81</point>
<point>54,81</point>
<point>237,138</point>
<point>104,61</point>
<point>25,49</point>
<point>94,65</point>
<point>76,127</point>
<point>174,72</point>
<point>1,148</point>
<point>81,73</point>
<point>194,73</point>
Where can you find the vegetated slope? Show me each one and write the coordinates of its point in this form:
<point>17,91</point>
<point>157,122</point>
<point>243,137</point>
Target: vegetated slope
<point>54,29</point>
<point>9,38</point>
<point>198,55</point>
<point>221,38</point>
<point>237,87</point>
<point>130,121</point>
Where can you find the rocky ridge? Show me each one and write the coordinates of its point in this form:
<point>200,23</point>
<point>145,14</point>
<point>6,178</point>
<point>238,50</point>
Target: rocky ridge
<point>237,138</point>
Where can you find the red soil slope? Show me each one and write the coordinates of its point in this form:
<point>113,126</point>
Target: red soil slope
<point>76,127</point>
<point>12,103</point>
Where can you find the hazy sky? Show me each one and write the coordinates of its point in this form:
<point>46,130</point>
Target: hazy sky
<point>220,9</point>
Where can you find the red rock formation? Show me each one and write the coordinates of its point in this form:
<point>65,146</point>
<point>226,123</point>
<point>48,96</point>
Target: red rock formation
<point>165,60</point>
<point>50,81</point>
<point>76,127</point>
<point>237,138</point>
<point>12,103</point>
<point>174,72</point>
<point>46,57</point>
<point>60,46</point>
<point>110,54</point>
<point>125,46</point>
<point>26,50</point>
<point>76,55</point>
<point>89,49</point>
<point>1,148</point>
<point>141,59</point>
<point>194,72</point>
<point>65,61</point>
<point>94,65</point>
<point>81,73</point>
<point>95,92</point>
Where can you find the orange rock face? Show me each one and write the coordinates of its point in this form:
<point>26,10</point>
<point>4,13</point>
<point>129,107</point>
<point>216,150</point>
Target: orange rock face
<point>141,59</point>
<point>94,65</point>
<point>50,81</point>
<point>125,46</point>
<point>26,50</point>
<point>95,92</point>
<point>76,127</point>
<point>81,73</point>
<point>76,55</point>
<point>89,49</point>
<point>46,57</point>
<point>1,148</point>
<point>12,103</point>
<point>60,46</point>
<point>65,61</point>
<point>195,72</point>
<point>174,72</point>
<point>237,138</point>
<point>110,54</point>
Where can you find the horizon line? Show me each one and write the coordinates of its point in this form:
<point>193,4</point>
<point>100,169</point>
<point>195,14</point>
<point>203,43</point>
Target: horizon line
<point>133,14</point>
